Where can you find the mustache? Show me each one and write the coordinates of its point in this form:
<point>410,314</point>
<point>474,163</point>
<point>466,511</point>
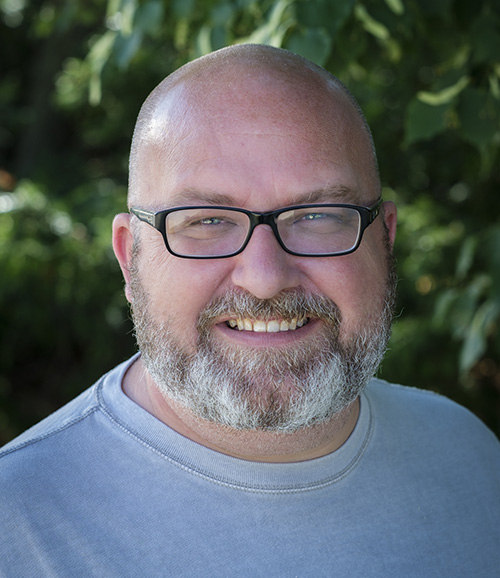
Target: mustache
<point>287,304</point>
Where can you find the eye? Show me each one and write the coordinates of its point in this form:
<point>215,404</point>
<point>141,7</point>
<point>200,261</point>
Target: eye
<point>220,223</point>
<point>208,221</point>
<point>324,219</point>
<point>319,216</point>
<point>203,226</point>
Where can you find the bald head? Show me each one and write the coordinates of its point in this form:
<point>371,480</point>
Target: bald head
<point>253,84</point>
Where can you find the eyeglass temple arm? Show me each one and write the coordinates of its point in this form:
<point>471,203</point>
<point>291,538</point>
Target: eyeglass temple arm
<point>144,215</point>
<point>374,211</point>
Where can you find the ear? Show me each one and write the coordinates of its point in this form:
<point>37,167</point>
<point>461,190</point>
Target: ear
<point>390,216</point>
<point>122,245</point>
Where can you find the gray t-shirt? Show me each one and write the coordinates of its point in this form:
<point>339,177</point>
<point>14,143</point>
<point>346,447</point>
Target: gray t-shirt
<point>102,488</point>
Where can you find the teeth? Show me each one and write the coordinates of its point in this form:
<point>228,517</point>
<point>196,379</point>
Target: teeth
<point>272,326</point>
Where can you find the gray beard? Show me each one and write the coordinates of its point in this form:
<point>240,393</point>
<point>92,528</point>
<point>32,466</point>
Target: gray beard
<point>280,389</point>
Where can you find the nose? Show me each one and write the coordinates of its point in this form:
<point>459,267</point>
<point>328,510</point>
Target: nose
<point>264,268</point>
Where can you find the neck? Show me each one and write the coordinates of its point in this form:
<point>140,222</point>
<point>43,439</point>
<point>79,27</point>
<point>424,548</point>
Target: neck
<point>254,445</point>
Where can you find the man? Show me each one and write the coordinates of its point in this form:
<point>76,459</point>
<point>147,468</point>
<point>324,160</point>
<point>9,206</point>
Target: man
<point>248,438</point>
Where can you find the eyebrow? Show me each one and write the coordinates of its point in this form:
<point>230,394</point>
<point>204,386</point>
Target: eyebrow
<point>330,194</point>
<point>197,197</point>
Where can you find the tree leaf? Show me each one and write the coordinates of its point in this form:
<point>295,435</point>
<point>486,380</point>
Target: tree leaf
<point>149,16</point>
<point>444,96</point>
<point>98,56</point>
<point>475,342</point>
<point>443,306</point>
<point>466,256</point>
<point>276,26</point>
<point>494,85</point>
<point>479,116</point>
<point>396,6</point>
<point>424,121</point>
<point>222,14</point>
<point>125,48</point>
<point>312,43</point>
<point>374,27</point>
<point>490,247</point>
<point>323,14</point>
<point>204,41</point>
<point>485,37</point>
<point>183,8</point>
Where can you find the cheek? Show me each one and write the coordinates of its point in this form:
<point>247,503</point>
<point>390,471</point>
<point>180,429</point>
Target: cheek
<point>180,288</point>
<point>371,284</point>
<point>356,283</point>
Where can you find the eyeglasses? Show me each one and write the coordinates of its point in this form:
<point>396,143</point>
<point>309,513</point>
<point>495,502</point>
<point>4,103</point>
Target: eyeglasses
<point>212,232</point>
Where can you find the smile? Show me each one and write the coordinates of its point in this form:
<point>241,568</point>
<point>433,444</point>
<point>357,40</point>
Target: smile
<point>273,326</point>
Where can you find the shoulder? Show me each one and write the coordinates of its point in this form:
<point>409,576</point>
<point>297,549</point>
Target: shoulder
<point>33,463</point>
<point>57,451</point>
<point>410,403</point>
<point>414,400</point>
<point>62,423</point>
<point>63,418</point>
<point>430,419</point>
<point>69,416</point>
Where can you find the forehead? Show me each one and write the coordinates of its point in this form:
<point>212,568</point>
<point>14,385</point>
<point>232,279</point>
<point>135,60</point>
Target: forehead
<point>252,138</point>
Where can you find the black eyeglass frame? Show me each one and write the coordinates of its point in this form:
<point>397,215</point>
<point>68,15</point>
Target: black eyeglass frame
<point>157,220</point>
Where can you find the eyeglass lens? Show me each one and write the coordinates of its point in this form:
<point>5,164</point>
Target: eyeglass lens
<point>307,230</point>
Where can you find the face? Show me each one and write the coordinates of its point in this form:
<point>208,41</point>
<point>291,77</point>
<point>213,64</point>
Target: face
<point>333,314</point>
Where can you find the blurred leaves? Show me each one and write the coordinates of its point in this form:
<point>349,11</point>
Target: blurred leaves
<point>61,299</point>
<point>444,96</point>
<point>425,120</point>
<point>74,75</point>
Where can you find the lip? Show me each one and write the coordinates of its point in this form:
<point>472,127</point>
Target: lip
<point>264,339</point>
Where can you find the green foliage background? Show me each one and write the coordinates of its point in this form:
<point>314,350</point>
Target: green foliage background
<point>73,74</point>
